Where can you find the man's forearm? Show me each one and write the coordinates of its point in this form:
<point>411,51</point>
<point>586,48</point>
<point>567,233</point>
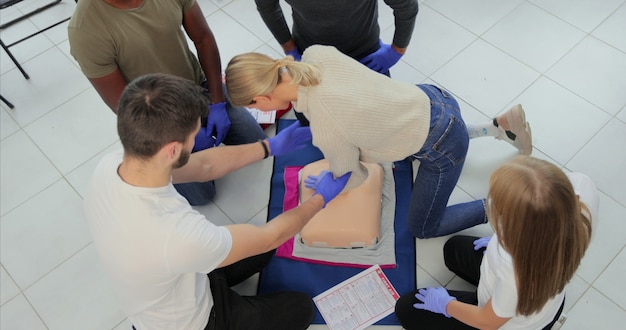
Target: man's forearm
<point>405,13</point>
<point>210,61</point>
<point>398,49</point>
<point>199,32</point>
<point>214,163</point>
<point>289,223</point>
<point>289,45</point>
<point>272,15</point>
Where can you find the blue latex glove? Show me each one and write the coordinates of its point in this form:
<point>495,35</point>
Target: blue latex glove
<point>382,59</point>
<point>434,299</point>
<point>218,122</point>
<point>295,53</point>
<point>290,139</point>
<point>481,243</point>
<point>204,140</point>
<point>326,185</point>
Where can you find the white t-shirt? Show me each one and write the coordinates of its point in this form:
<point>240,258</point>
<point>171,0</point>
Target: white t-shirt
<point>497,278</point>
<point>156,249</point>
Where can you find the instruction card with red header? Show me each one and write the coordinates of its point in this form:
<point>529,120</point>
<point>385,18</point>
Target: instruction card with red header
<point>359,301</point>
<point>263,117</point>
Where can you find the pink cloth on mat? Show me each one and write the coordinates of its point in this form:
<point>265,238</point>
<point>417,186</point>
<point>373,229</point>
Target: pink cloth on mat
<point>290,201</point>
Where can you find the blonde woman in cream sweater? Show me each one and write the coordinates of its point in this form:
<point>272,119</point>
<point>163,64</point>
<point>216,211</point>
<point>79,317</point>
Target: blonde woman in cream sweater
<point>357,114</point>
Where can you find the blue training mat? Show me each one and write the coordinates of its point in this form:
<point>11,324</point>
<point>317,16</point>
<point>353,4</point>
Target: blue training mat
<point>284,274</point>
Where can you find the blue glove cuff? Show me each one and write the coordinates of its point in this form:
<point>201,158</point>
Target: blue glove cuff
<point>295,54</point>
<point>445,309</point>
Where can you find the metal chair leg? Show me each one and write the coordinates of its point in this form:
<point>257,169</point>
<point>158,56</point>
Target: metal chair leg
<point>6,102</point>
<point>6,49</point>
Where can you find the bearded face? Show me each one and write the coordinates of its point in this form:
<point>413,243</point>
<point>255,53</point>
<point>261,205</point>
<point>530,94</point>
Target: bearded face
<point>182,159</point>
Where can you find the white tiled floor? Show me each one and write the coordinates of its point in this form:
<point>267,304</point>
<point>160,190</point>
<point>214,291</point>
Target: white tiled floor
<point>564,60</point>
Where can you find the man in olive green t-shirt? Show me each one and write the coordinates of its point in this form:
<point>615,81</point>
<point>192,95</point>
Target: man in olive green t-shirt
<point>116,41</point>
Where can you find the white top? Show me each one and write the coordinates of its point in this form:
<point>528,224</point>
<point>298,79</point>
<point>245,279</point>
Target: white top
<point>156,249</point>
<point>497,277</point>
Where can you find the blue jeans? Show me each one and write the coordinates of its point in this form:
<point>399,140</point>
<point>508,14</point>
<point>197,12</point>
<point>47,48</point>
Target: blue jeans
<point>243,129</point>
<point>441,160</point>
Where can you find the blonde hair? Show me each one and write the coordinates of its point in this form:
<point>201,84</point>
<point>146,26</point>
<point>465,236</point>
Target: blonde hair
<point>539,220</point>
<point>253,74</point>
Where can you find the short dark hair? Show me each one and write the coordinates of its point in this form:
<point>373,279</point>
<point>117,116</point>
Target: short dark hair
<point>157,109</point>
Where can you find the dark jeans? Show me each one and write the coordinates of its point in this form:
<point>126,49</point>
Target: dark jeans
<point>461,258</point>
<point>197,193</point>
<point>281,310</point>
<point>441,158</point>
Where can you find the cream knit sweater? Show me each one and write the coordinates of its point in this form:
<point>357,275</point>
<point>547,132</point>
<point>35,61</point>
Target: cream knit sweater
<point>357,114</point>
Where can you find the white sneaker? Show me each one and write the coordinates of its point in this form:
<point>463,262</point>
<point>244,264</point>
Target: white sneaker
<point>519,133</point>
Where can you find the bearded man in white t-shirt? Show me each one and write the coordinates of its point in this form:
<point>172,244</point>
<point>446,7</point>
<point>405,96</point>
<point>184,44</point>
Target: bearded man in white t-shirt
<point>157,249</point>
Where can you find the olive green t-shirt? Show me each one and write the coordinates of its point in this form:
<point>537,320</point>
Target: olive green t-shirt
<point>147,39</point>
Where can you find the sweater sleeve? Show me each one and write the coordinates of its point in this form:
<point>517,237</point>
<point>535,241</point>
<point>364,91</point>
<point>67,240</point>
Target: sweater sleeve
<point>272,15</point>
<point>405,13</point>
<point>342,154</point>
<point>350,113</point>
<point>344,159</point>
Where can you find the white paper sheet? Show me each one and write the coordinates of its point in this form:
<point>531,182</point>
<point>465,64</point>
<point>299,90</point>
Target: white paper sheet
<point>359,301</point>
<point>263,117</point>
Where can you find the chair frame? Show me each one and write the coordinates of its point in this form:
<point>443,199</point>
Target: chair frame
<point>6,47</point>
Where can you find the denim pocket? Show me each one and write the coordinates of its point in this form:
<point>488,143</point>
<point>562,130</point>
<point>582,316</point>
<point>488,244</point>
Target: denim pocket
<point>453,141</point>
<point>443,92</point>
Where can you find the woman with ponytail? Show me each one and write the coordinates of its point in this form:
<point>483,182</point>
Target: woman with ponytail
<point>357,114</point>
